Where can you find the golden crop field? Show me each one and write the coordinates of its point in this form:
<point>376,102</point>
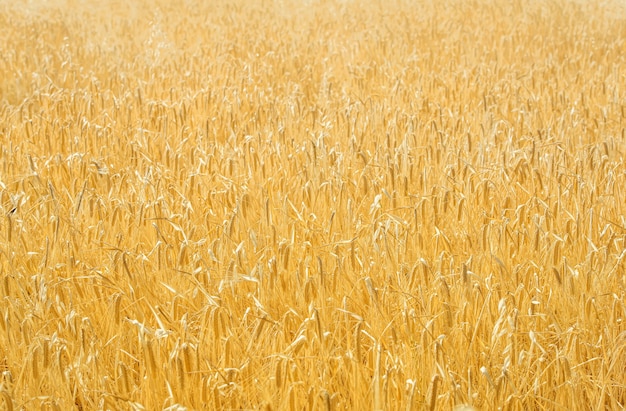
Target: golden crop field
<point>312,205</point>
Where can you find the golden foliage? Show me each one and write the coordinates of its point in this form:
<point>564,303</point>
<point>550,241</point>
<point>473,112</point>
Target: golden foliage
<point>312,204</point>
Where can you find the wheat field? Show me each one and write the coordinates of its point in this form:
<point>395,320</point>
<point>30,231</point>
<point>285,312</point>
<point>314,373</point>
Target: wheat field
<point>312,205</point>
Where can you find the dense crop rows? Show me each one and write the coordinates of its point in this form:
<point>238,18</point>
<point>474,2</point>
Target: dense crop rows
<point>312,205</point>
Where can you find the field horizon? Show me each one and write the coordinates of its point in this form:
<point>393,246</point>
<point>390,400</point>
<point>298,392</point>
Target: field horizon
<point>386,205</point>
